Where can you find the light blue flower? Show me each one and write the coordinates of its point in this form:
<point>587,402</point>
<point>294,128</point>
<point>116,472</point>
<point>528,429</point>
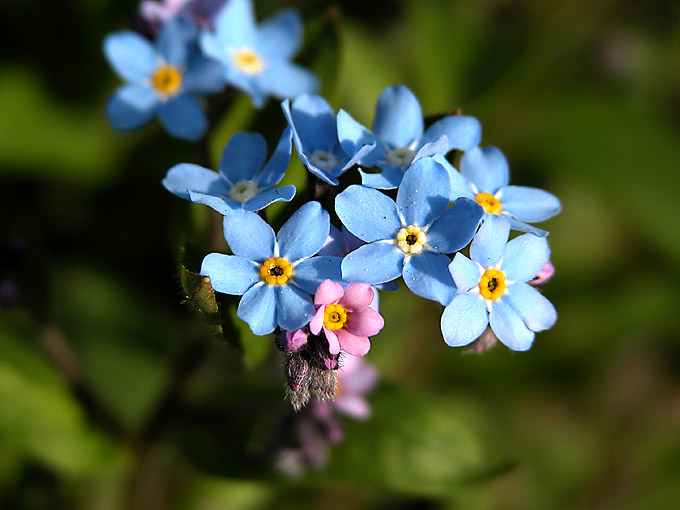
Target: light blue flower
<point>408,237</point>
<point>492,289</point>
<point>162,80</point>
<point>399,133</point>
<point>257,58</point>
<point>484,176</point>
<point>316,138</point>
<point>275,274</point>
<point>244,181</point>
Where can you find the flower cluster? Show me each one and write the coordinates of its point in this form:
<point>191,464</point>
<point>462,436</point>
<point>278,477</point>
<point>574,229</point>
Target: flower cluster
<point>415,216</point>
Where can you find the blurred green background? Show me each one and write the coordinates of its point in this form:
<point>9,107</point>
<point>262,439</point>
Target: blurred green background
<point>114,395</point>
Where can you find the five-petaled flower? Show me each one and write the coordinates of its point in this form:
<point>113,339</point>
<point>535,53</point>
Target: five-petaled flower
<point>275,273</point>
<point>256,59</point>
<point>316,138</point>
<point>400,136</point>
<point>345,317</point>
<point>484,177</point>
<point>161,80</point>
<point>492,289</point>
<point>411,236</point>
<point>244,181</point>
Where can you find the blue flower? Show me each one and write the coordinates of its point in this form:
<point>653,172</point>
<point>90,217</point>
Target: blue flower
<point>275,274</point>
<point>256,59</point>
<point>484,176</point>
<point>492,289</point>
<point>400,136</point>
<point>243,180</point>
<point>162,80</point>
<point>408,237</point>
<point>316,138</point>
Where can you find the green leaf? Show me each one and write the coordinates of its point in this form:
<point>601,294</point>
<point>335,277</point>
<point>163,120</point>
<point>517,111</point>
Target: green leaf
<point>47,424</point>
<point>413,443</point>
<point>200,295</point>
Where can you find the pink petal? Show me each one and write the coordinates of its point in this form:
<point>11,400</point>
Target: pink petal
<point>353,344</point>
<point>366,323</point>
<point>543,275</point>
<point>357,296</point>
<point>353,406</point>
<point>333,341</point>
<point>295,339</point>
<point>317,321</point>
<point>327,293</point>
<point>356,377</point>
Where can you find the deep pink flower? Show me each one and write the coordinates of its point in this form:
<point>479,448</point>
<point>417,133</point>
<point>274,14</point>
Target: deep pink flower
<point>345,317</point>
<point>355,379</point>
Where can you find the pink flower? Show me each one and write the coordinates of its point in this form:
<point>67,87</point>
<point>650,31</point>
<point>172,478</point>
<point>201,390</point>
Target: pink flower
<point>355,379</point>
<point>543,275</point>
<point>345,317</point>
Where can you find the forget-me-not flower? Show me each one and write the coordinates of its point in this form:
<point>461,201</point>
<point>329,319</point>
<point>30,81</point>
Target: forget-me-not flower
<point>398,131</point>
<point>162,80</point>
<point>257,58</point>
<point>492,289</point>
<point>484,176</point>
<point>316,138</point>
<point>411,236</point>
<point>275,273</point>
<point>244,181</point>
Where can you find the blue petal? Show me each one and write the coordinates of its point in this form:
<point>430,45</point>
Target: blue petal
<point>438,147</point>
<point>222,205</point>
<point>533,307</point>
<point>488,245</point>
<point>456,227</point>
<point>294,308</point>
<point>213,47</point>
<point>427,275</point>
<point>509,327</point>
<point>246,83</point>
<point>313,121</point>
<point>235,25</point>
<point>524,257</point>
<point>174,41</point>
<point>460,187</point>
<point>464,320</point>
<point>367,213</point>
<point>398,117</point>
<point>132,106</point>
<point>249,236</point>
<point>183,117</point>
<point>230,274</point>
<point>462,132</point>
<point>264,198</point>
<point>390,178</point>
<point>359,155</point>
<point>354,136</point>
<point>243,156</point>
<point>276,167</point>
<point>130,55</point>
<point>525,227</point>
<point>258,309</point>
<point>529,204</point>
<point>284,79</point>
<point>279,36</point>
<point>203,76</point>
<point>304,233</point>
<point>374,263</point>
<point>486,168</point>
<point>465,272</point>
<point>186,177</point>
<point>309,273</point>
<point>423,195</point>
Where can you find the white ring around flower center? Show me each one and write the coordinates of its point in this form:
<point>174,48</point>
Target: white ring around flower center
<point>243,191</point>
<point>401,157</point>
<point>323,160</point>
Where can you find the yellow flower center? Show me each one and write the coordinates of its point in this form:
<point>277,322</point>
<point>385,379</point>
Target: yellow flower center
<point>167,80</point>
<point>248,62</point>
<point>334,317</point>
<point>411,239</point>
<point>276,271</point>
<point>492,284</point>
<point>490,203</point>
